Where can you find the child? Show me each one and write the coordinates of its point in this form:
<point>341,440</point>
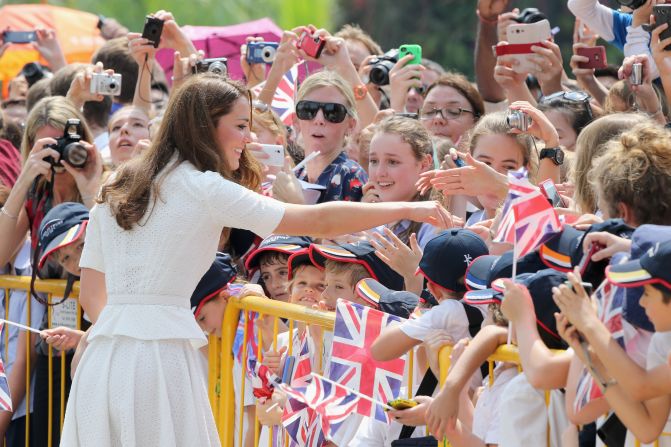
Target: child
<point>345,265</point>
<point>208,301</point>
<point>444,265</point>
<point>271,260</point>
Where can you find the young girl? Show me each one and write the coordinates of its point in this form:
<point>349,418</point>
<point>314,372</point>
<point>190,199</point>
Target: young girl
<point>137,279</point>
<point>326,112</point>
<point>128,126</point>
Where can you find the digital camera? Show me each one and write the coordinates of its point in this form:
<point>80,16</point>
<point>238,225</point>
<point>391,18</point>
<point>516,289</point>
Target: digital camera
<point>106,84</point>
<point>216,65</point>
<point>153,28</point>
<point>382,65</point>
<point>69,146</point>
<point>530,15</point>
<point>33,72</point>
<point>517,119</point>
<point>261,52</point>
<point>633,4</point>
<point>312,45</point>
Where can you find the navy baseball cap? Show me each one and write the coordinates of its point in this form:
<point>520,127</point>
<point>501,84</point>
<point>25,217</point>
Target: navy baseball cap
<point>447,256</point>
<point>361,253</point>
<point>242,242</point>
<point>300,257</point>
<point>540,286</point>
<point>651,268</point>
<point>220,274</point>
<point>643,239</point>
<point>485,269</point>
<point>280,243</point>
<point>62,225</point>
<point>399,303</point>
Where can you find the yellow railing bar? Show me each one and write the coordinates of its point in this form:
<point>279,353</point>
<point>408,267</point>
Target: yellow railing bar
<point>52,286</point>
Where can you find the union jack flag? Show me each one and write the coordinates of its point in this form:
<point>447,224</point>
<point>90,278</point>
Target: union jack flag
<point>303,368</point>
<point>283,101</point>
<point>330,406</point>
<point>299,418</point>
<point>610,313</point>
<point>518,186</point>
<point>352,365</point>
<point>535,222</point>
<point>263,380</point>
<point>5,398</point>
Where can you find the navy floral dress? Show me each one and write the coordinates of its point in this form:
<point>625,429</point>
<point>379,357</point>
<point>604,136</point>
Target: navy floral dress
<point>343,180</point>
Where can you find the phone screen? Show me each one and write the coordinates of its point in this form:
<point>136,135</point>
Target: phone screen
<point>552,194</point>
<point>19,36</point>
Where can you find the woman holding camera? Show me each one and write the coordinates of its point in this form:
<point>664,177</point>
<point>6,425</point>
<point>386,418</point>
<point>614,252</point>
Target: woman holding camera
<point>44,183</point>
<point>152,235</point>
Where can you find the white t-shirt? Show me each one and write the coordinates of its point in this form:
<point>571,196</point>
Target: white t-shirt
<point>486,414</point>
<point>449,315</point>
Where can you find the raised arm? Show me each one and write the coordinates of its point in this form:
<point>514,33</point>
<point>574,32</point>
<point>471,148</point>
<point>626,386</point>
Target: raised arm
<point>598,17</point>
<point>485,59</point>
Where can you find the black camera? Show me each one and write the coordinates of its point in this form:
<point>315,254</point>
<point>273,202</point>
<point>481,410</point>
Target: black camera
<point>216,65</point>
<point>153,28</point>
<point>633,4</point>
<point>530,15</point>
<point>33,72</point>
<point>69,146</point>
<point>382,65</point>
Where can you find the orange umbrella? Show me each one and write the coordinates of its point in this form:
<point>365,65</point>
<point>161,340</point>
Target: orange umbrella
<point>76,31</point>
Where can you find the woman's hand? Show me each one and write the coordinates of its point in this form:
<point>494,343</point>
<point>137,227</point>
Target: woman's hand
<point>80,87</point>
<point>62,338</point>
<point>660,54</point>
<point>583,35</point>
<point>505,76</point>
<point>415,416</point>
<point>172,35</point>
<point>36,164</point>
<point>505,19</point>
<point>402,78</point>
<point>540,127</point>
<point>393,252</point>
<point>574,302</point>
<point>49,48</point>
<point>89,176</point>
<point>286,187</point>
<point>142,50</point>
<point>432,212</point>
<point>549,66</point>
<point>255,73</point>
<point>584,76</point>
<point>475,179</point>
<point>183,67</point>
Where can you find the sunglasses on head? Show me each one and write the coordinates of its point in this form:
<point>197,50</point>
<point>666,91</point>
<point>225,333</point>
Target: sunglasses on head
<point>333,112</point>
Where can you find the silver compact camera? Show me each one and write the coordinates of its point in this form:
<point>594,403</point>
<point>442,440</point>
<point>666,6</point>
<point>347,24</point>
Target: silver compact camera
<point>216,65</point>
<point>636,77</point>
<point>106,84</point>
<point>517,119</point>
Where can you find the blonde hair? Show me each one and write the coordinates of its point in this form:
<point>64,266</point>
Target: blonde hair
<point>269,120</point>
<point>328,78</point>
<point>496,124</point>
<point>590,144</point>
<point>355,272</point>
<point>635,170</point>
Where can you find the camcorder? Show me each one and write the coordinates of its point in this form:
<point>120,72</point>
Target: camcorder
<point>69,146</point>
<point>106,84</point>
<point>261,52</point>
<point>216,65</point>
<point>381,66</point>
<point>517,119</point>
<point>633,4</point>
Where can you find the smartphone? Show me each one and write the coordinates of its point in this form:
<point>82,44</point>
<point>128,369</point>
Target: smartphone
<point>402,404</point>
<point>288,370</point>
<point>549,190</point>
<point>523,35</point>
<point>275,153</point>
<point>414,50</point>
<point>586,260</point>
<point>19,36</point>
<point>662,15</point>
<point>596,55</point>
<point>585,285</point>
<point>312,45</point>
<point>153,28</point>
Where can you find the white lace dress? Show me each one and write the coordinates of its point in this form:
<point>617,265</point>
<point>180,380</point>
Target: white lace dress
<point>140,381</point>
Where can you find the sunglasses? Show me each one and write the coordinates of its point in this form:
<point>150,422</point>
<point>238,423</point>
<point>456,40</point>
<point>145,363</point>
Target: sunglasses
<point>333,112</point>
<point>576,97</point>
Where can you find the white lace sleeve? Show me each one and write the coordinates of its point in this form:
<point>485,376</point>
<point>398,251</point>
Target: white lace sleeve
<point>92,255</point>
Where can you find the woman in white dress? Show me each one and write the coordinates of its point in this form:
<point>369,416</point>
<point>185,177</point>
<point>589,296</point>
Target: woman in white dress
<point>150,238</point>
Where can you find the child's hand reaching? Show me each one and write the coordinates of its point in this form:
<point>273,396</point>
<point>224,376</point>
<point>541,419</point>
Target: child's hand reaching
<point>517,303</point>
<point>415,416</point>
<point>433,345</point>
<point>62,338</point>
<point>273,360</point>
<point>568,332</point>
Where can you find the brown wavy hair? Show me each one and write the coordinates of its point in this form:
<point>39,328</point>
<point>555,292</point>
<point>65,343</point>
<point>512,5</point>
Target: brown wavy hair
<point>188,130</point>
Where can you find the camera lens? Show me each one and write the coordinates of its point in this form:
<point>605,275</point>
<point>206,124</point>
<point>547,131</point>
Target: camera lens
<point>112,86</point>
<point>268,54</point>
<point>75,154</point>
<point>217,68</point>
<point>379,74</point>
<point>514,120</point>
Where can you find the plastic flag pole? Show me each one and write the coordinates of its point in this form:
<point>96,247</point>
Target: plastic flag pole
<point>363,396</point>
<point>21,326</point>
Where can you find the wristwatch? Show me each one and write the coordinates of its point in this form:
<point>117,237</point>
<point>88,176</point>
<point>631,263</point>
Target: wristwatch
<point>556,154</point>
<point>360,91</point>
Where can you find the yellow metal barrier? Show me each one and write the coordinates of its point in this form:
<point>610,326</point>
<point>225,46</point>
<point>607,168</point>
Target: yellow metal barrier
<point>52,288</point>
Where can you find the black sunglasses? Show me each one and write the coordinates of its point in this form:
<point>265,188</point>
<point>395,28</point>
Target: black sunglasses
<point>333,112</point>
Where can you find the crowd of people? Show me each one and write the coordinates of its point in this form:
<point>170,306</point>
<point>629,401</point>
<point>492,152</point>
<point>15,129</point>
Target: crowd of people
<point>161,196</point>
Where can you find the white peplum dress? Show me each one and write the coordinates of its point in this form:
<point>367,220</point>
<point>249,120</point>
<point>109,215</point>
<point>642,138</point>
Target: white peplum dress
<point>141,382</point>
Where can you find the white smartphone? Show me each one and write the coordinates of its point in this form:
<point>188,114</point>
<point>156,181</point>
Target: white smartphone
<point>275,154</point>
<point>526,33</point>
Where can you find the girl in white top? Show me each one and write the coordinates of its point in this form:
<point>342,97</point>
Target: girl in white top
<point>151,237</point>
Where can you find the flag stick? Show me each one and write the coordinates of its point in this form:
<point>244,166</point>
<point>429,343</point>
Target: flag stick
<point>21,326</point>
<point>305,160</point>
<point>363,396</point>
<point>510,323</point>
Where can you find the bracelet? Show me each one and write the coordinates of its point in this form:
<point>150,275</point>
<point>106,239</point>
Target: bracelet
<point>7,213</point>
<point>487,21</point>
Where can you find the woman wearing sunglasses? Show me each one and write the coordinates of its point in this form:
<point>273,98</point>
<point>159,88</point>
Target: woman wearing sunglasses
<point>327,115</point>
